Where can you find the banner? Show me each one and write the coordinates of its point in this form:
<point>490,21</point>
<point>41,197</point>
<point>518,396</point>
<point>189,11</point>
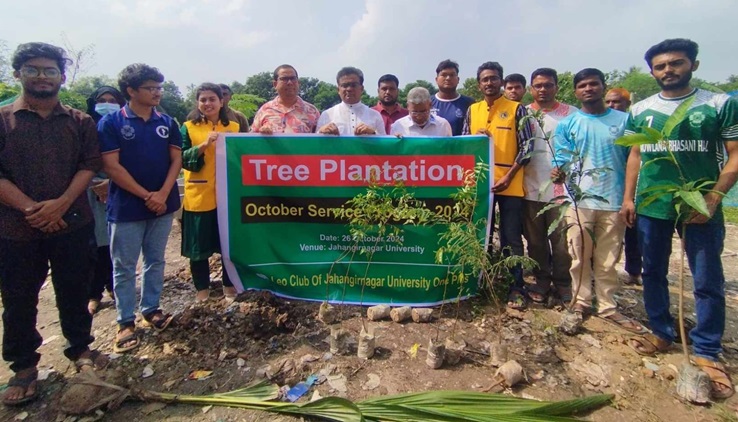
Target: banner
<point>281,202</point>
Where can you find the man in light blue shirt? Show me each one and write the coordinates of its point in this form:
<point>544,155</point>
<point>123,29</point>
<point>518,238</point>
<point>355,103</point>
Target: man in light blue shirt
<point>586,154</point>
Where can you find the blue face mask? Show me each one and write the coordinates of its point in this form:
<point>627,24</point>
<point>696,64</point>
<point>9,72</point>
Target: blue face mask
<point>106,108</point>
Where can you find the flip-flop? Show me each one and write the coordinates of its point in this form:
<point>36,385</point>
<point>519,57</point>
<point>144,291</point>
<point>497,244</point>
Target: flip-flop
<point>25,383</point>
<point>623,322</point>
<point>648,344</point>
<point>718,375</point>
<point>536,296</point>
<point>96,360</point>
<point>516,301</point>
<point>159,324</point>
<point>119,345</point>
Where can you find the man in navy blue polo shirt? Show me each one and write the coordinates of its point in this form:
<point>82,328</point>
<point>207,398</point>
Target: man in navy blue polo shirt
<point>141,150</point>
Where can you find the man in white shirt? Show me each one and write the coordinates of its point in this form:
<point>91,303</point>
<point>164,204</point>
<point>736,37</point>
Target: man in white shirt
<point>420,121</point>
<point>351,117</point>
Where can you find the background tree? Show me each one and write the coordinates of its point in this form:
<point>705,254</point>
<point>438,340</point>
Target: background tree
<point>259,85</point>
<point>246,103</point>
<point>566,89</point>
<point>470,88</point>
<point>72,99</point>
<point>309,88</point>
<point>86,85</point>
<point>6,69</point>
<point>82,59</point>
<point>639,83</point>
<point>402,98</point>
<point>173,103</point>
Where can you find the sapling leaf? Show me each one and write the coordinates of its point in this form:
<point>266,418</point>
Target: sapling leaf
<point>591,235</point>
<point>695,200</point>
<point>550,205</point>
<point>555,223</point>
<point>635,139</point>
<point>677,117</point>
<point>652,133</point>
<point>655,160</point>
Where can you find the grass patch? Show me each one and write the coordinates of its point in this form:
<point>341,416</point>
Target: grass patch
<point>731,215</point>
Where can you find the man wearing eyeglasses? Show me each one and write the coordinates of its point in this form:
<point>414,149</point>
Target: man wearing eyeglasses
<point>141,151</point>
<point>548,250</point>
<point>48,155</point>
<point>287,112</point>
<point>420,121</point>
<point>500,118</point>
<point>350,116</point>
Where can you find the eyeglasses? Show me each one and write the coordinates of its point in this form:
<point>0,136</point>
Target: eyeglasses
<point>491,79</point>
<point>35,72</point>
<point>350,85</point>
<point>286,79</point>
<point>541,87</point>
<point>152,89</point>
<point>419,113</point>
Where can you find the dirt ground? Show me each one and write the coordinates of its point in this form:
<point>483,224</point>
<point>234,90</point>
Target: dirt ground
<point>262,334</point>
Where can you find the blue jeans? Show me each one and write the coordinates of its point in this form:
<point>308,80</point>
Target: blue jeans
<point>127,241</point>
<point>703,246</point>
<point>511,234</point>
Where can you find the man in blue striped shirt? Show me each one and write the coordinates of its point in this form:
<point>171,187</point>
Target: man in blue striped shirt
<point>585,153</point>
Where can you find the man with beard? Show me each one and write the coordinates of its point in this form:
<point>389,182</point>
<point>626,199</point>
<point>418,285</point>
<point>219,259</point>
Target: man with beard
<point>391,111</point>
<point>696,142</point>
<point>549,250</point>
<point>48,155</point>
<point>584,142</point>
<point>420,121</point>
<point>350,116</point>
<point>514,87</point>
<point>447,102</point>
<point>500,118</point>
<point>287,112</point>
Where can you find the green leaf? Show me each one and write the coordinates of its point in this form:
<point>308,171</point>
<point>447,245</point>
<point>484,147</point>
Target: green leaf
<point>666,158</point>
<point>555,223</point>
<point>591,235</point>
<point>635,139</point>
<point>677,117</point>
<point>652,133</point>
<point>550,205</point>
<point>695,200</point>
<point>331,408</point>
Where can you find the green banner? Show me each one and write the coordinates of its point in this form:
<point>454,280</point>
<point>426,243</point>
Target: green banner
<point>281,228</point>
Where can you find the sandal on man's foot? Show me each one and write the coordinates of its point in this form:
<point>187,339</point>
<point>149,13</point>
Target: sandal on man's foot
<point>581,309</point>
<point>537,297</point>
<point>722,386</point>
<point>158,319</point>
<point>625,323</point>
<point>564,294</point>
<point>91,359</point>
<point>126,339</point>
<point>516,301</point>
<point>230,293</point>
<point>648,344</point>
<point>26,382</point>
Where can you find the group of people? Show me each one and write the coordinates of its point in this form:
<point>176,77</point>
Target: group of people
<point>87,194</point>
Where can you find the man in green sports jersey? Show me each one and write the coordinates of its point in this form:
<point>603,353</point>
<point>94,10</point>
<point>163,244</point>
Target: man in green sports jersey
<point>710,123</point>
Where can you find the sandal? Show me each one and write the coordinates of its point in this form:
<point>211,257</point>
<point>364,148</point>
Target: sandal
<point>722,386</point>
<point>128,342</point>
<point>516,301</point>
<point>94,359</point>
<point>648,344</point>
<point>158,320</point>
<point>25,382</point>
<point>230,292</point>
<point>564,294</point>
<point>581,309</point>
<point>536,296</point>
<point>625,323</point>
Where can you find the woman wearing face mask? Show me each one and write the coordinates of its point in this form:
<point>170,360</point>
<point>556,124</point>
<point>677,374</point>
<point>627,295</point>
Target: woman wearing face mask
<point>105,100</point>
<point>200,238</point>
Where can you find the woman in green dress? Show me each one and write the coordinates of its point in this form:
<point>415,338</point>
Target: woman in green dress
<point>200,237</point>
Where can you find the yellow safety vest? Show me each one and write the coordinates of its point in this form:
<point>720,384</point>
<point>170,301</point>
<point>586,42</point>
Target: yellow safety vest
<point>499,120</point>
<point>199,190</point>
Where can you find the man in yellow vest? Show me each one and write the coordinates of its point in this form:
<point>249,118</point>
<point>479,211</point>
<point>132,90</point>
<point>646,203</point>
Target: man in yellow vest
<point>499,118</point>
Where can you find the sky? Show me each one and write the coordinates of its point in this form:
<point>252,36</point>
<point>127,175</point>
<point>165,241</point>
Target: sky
<point>195,41</point>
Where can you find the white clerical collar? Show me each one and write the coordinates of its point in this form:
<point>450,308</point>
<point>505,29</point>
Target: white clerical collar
<point>359,104</point>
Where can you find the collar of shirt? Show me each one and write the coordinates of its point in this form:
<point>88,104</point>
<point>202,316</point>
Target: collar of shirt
<point>353,107</point>
<point>380,108</point>
<point>22,104</point>
<point>432,121</point>
<point>277,103</point>
<point>129,114</point>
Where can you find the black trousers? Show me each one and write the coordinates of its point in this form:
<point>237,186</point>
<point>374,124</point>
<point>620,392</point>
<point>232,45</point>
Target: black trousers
<point>201,274</point>
<point>23,269</point>
<point>101,273</point>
